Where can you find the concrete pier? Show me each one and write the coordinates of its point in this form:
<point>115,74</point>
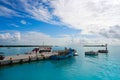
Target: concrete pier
<point>23,58</point>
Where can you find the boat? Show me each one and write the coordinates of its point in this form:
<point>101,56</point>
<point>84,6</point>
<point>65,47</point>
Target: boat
<point>103,51</point>
<point>44,49</point>
<point>91,53</point>
<point>40,49</point>
<point>64,54</point>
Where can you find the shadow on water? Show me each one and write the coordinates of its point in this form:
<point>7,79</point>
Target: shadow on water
<point>91,56</point>
<point>64,62</point>
<point>96,56</point>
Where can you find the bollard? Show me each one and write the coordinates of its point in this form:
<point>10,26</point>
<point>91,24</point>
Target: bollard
<point>37,59</point>
<point>21,60</point>
<point>11,62</point>
<point>29,59</point>
<point>43,57</point>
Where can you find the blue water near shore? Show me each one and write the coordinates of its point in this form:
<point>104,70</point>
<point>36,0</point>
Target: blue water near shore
<point>101,67</point>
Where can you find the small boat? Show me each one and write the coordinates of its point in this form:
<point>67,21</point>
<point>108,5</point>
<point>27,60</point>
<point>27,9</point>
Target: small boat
<point>103,51</point>
<point>63,54</point>
<point>91,53</point>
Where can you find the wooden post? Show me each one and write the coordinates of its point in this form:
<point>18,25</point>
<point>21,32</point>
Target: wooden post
<point>29,59</point>
<point>37,58</point>
<point>11,62</point>
<point>21,60</point>
<point>106,46</point>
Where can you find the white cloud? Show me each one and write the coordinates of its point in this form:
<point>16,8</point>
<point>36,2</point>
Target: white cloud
<point>5,36</point>
<point>17,36</point>
<point>38,10</point>
<point>6,12</point>
<point>88,15</point>
<point>23,22</point>
<point>93,17</point>
<point>10,36</point>
<point>38,38</point>
<point>33,37</point>
<point>113,32</point>
<point>14,25</point>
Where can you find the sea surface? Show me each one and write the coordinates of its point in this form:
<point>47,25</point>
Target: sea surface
<point>101,67</point>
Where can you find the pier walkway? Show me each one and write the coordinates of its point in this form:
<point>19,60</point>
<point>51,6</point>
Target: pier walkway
<point>22,58</point>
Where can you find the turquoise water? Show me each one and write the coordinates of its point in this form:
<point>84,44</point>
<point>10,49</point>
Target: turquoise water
<point>101,67</point>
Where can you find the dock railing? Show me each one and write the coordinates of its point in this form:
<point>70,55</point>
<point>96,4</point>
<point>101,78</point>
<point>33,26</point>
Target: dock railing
<point>100,51</point>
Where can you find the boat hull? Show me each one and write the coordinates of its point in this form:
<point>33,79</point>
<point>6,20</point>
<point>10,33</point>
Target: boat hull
<point>57,57</point>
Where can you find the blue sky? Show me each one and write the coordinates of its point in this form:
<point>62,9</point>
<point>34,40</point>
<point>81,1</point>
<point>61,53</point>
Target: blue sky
<point>26,24</point>
<point>59,22</point>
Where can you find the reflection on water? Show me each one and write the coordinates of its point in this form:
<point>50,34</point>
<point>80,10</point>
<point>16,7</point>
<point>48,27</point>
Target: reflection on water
<point>64,62</point>
<point>91,56</point>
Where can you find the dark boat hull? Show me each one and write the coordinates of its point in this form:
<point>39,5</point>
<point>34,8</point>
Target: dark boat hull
<point>103,51</point>
<point>56,57</point>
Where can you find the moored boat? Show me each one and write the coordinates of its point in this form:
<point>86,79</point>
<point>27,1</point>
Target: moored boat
<point>91,53</point>
<point>103,51</point>
<point>64,54</point>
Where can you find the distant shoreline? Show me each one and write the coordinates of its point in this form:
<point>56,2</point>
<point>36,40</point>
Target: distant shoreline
<point>25,45</point>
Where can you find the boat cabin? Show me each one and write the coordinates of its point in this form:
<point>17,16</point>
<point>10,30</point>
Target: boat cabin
<point>44,49</point>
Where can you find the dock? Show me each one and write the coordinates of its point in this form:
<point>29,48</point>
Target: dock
<point>94,46</point>
<point>99,51</point>
<point>23,58</point>
<point>40,53</point>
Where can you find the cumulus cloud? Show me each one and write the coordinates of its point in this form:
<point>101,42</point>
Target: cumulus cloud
<point>33,37</point>
<point>88,15</point>
<point>10,36</point>
<point>112,32</point>
<point>17,36</point>
<point>38,38</point>
<point>5,36</point>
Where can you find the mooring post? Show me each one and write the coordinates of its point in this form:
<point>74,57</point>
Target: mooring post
<point>11,60</point>
<point>106,46</point>
<point>29,59</point>
<point>21,60</point>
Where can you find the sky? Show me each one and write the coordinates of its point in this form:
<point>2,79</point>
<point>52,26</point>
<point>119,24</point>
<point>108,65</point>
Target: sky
<point>59,22</point>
